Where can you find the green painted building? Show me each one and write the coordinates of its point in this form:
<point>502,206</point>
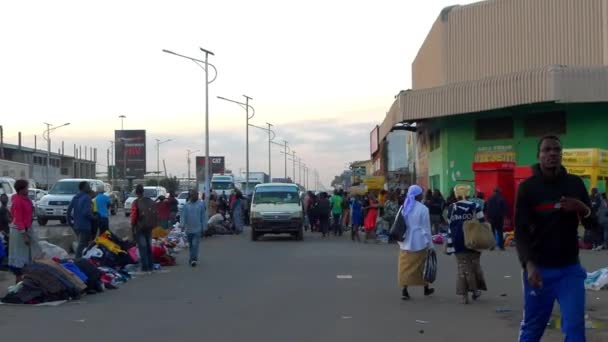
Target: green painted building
<point>509,134</point>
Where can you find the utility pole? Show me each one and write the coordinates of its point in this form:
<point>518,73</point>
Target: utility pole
<point>294,165</point>
<point>285,141</point>
<point>269,150</point>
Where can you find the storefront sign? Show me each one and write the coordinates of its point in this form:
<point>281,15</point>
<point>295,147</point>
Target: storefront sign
<point>500,153</point>
<point>580,171</point>
<point>603,158</point>
<point>374,182</point>
<point>603,172</point>
<point>579,156</point>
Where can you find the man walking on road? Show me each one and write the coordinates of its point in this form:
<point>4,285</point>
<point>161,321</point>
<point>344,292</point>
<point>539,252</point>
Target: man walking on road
<point>193,220</point>
<point>549,207</point>
<point>143,220</point>
<point>496,210</point>
<point>336,212</point>
<point>80,216</point>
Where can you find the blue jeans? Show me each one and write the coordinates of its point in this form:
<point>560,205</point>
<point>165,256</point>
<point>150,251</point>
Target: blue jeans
<point>84,238</point>
<point>194,240</point>
<point>337,228</point>
<point>566,285</point>
<point>144,245</point>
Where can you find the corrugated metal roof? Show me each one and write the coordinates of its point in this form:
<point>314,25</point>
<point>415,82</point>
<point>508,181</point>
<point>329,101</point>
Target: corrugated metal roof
<point>499,37</point>
<point>565,84</point>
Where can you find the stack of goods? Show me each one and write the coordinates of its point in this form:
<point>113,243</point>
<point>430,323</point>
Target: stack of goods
<point>46,281</point>
<point>110,251</point>
<point>161,253</point>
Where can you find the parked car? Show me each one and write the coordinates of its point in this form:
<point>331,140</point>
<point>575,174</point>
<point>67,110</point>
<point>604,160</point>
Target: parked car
<point>153,192</point>
<point>182,198</point>
<point>6,187</point>
<point>54,206</point>
<point>35,196</point>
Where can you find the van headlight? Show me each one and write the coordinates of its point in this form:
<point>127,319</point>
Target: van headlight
<point>43,201</point>
<point>296,214</point>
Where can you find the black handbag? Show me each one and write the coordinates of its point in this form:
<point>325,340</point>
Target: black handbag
<point>398,227</point>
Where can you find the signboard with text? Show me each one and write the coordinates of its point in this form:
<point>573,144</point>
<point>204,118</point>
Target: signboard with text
<point>501,153</point>
<point>130,153</point>
<point>217,165</point>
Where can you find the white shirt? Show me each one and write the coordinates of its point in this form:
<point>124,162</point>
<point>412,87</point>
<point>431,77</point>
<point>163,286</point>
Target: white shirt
<point>418,232</point>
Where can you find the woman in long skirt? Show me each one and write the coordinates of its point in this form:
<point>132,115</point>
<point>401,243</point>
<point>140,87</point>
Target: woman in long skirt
<point>21,237</point>
<point>417,241</point>
<point>470,275</point>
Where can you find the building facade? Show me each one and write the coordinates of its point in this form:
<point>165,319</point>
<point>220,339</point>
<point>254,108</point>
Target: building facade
<point>492,77</point>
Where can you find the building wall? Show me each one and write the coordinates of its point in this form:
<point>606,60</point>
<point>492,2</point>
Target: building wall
<point>498,37</point>
<point>586,127</point>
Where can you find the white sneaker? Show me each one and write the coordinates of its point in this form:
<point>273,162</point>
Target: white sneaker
<point>193,263</point>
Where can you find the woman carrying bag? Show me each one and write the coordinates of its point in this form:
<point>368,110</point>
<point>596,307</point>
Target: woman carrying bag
<point>416,244</point>
<point>470,276</point>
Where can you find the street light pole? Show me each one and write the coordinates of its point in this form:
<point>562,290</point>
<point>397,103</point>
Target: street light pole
<point>247,118</point>
<point>285,141</point>
<point>122,122</point>
<point>207,82</point>
<point>158,143</point>
<point>189,153</point>
<point>294,165</point>
<point>48,151</point>
<point>269,150</point>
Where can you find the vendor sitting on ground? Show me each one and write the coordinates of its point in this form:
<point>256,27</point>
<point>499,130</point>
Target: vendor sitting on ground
<point>218,224</point>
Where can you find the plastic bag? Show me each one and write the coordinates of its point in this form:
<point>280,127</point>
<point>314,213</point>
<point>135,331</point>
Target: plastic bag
<point>51,251</point>
<point>597,280</point>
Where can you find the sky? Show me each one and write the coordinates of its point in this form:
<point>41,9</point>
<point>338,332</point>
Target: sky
<point>324,73</point>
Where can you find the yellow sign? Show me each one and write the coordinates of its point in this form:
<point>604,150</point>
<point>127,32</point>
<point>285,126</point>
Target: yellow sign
<point>580,171</point>
<point>374,182</point>
<point>580,156</point>
<point>483,157</point>
<point>603,172</point>
<point>603,158</point>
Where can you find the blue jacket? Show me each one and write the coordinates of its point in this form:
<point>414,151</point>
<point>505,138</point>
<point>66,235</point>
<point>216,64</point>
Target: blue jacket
<point>193,217</point>
<point>80,212</point>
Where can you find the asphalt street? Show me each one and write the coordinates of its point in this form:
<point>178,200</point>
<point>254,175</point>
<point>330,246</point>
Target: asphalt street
<point>282,290</point>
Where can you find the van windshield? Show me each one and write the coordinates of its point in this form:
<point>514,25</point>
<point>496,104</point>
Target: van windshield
<point>65,188</point>
<point>276,195</point>
<point>222,186</point>
<point>150,193</point>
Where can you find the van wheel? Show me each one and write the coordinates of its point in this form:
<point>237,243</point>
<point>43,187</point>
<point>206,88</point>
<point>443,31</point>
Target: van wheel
<point>300,235</point>
<point>63,221</point>
<point>42,221</point>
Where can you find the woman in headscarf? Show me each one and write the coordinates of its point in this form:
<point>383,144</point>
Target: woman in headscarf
<point>417,240</point>
<point>470,276</point>
<point>237,212</point>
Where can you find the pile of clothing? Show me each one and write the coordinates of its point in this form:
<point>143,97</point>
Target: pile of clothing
<point>597,280</point>
<point>54,280</point>
<point>111,251</point>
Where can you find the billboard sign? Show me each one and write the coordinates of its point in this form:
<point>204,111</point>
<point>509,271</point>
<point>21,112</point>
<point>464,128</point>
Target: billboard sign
<point>130,147</point>
<point>218,165</point>
<point>373,140</point>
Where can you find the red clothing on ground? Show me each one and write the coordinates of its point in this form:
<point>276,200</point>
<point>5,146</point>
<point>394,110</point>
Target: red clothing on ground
<point>22,211</point>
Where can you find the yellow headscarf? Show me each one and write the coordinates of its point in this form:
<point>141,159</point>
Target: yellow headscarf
<point>462,191</point>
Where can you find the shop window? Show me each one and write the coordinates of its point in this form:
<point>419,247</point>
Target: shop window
<point>435,140</point>
<point>494,128</point>
<point>64,171</point>
<point>538,125</point>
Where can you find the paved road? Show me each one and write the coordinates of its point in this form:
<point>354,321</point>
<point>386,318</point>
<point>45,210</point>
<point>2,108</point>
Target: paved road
<point>282,290</point>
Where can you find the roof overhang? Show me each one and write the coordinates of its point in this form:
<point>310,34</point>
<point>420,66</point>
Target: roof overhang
<point>556,83</point>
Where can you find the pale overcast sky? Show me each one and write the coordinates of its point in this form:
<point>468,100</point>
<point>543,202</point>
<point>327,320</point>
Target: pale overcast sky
<point>323,72</point>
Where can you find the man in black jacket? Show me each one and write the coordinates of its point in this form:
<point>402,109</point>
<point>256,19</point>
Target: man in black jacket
<point>550,205</point>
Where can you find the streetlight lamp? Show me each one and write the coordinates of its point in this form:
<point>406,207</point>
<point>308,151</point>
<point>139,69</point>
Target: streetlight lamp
<point>205,67</point>
<point>245,105</point>
<point>48,151</point>
<point>122,122</point>
<point>271,136</point>
<point>158,143</point>
<point>188,154</point>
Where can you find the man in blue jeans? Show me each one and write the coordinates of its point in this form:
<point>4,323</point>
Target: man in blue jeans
<point>80,217</point>
<point>550,205</point>
<point>193,221</point>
